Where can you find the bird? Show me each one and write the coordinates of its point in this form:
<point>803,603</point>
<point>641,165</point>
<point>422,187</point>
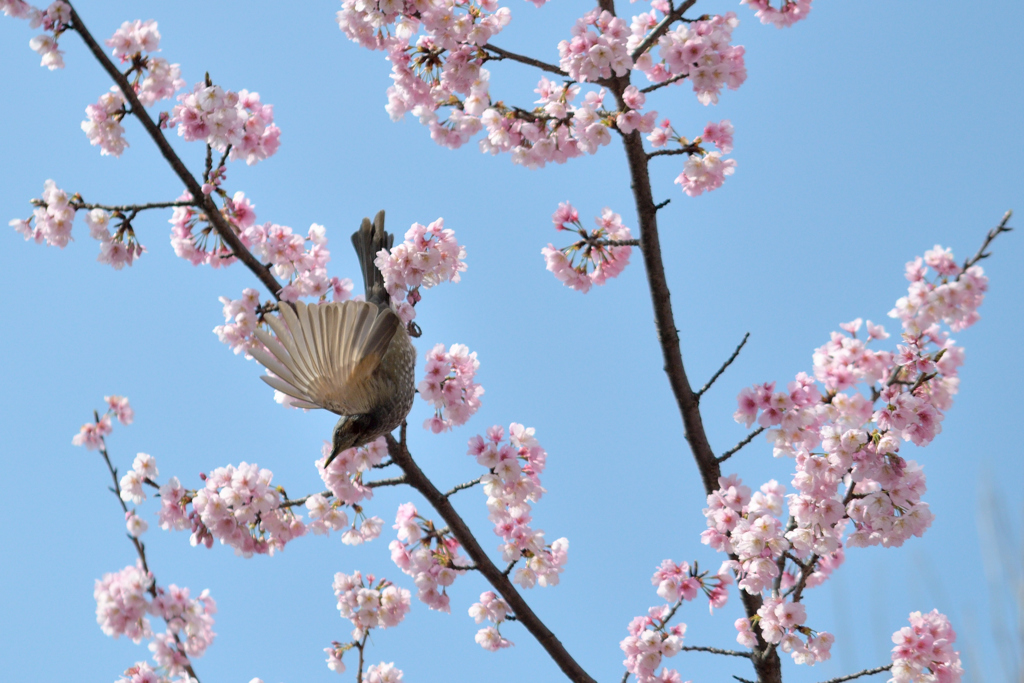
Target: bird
<point>353,358</point>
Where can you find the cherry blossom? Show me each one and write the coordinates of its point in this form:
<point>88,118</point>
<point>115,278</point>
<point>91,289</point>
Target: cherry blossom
<point>600,252</point>
<point>924,651</point>
<point>431,557</point>
<point>493,609</point>
<point>369,603</point>
<point>511,484</point>
<point>428,256</point>
<point>789,12</point>
<point>448,385</point>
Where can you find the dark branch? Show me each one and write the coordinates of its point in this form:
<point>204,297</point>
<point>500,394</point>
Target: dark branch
<point>500,54</point>
<point>688,149</point>
<point>462,487</point>
<point>717,651</point>
<point>302,501</point>
<point>992,234</point>
<point>732,451</point>
<point>393,481</point>
<point>199,200</point>
<point>659,30</point>
<point>658,86</point>
<point>724,366</point>
<point>127,208</point>
<point>865,672</point>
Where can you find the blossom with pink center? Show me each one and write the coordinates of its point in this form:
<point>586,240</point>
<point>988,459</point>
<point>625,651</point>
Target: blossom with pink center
<point>788,13</point>
<point>448,384</point>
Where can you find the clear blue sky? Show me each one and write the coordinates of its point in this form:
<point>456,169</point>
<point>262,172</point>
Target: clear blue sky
<point>864,136</point>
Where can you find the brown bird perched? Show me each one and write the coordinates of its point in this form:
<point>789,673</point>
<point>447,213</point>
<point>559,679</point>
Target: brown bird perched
<point>352,358</point>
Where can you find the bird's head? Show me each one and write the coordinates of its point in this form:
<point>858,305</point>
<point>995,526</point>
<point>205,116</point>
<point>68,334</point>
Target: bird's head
<point>351,431</point>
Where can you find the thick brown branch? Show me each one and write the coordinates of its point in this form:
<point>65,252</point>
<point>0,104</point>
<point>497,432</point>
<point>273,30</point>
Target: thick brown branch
<point>201,201</point>
<point>498,580</point>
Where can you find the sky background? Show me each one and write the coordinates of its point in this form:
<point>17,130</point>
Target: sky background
<point>864,136</point>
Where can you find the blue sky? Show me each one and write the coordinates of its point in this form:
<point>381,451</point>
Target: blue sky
<point>864,136</point>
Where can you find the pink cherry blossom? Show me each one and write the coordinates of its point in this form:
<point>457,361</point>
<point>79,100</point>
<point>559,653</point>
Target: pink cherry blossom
<point>448,384</point>
<point>598,261</point>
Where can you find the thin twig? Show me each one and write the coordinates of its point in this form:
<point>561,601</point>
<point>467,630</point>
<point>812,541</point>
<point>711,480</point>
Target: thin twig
<point>505,54</point>
<point>732,451</point>
<point>992,234</point>
<point>302,501</point>
<point>658,86</point>
<point>199,200</point>
<point>659,30</point>
<point>717,651</point>
<point>140,548</point>
<point>462,487</point>
<point>865,672</point>
<point>724,366</point>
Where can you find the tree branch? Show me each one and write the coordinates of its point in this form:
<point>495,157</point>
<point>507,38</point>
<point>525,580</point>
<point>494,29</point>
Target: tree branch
<point>724,366</point>
<point>140,548</point>
<point>462,487</point>
<point>658,86</point>
<point>199,200</point>
<point>765,659</point>
<point>732,451</point>
<point>865,672</point>
<point>659,30</point>
<point>717,651</point>
<point>419,481</point>
<point>505,54</point>
<point>127,208</point>
<point>992,234</point>
<point>393,481</point>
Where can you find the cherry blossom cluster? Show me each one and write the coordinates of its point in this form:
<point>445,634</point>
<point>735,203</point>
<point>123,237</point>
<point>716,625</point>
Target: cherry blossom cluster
<point>239,507</point>
<point>597,49</point>
<point>748,527</point>
<point>924,651</point>
<point>448,384</point>
<point>428,256</point>
<point>226,119</point>
<point>124,599</point>
<point>704,171</point>
<point>493,609</point>
<point>678,582</point>
<point>650,637</point>
<point>91,434</point>
<point>153,79</point>
<point>790,11</point>
<point>781,622</point>
<point>103,123</point>
<point>699,51</point>
<point>240,321</point>
<point>369,604</point>
<point>55,19</point>
<point>344,479</point>
<point>54,216</point>
<point>599,256</point>
<point>385,672</point>
<point>430,556</point>
<point>511,484</point>
<point>143,471</point>
<point>305,268</point>
<point>952,296</point>
<point>142,672</point>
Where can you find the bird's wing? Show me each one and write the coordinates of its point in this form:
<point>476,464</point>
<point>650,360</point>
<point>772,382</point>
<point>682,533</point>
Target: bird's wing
<point>322,354</point>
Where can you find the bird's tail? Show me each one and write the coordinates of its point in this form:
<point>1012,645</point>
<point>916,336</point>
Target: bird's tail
<point>368,240</point>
